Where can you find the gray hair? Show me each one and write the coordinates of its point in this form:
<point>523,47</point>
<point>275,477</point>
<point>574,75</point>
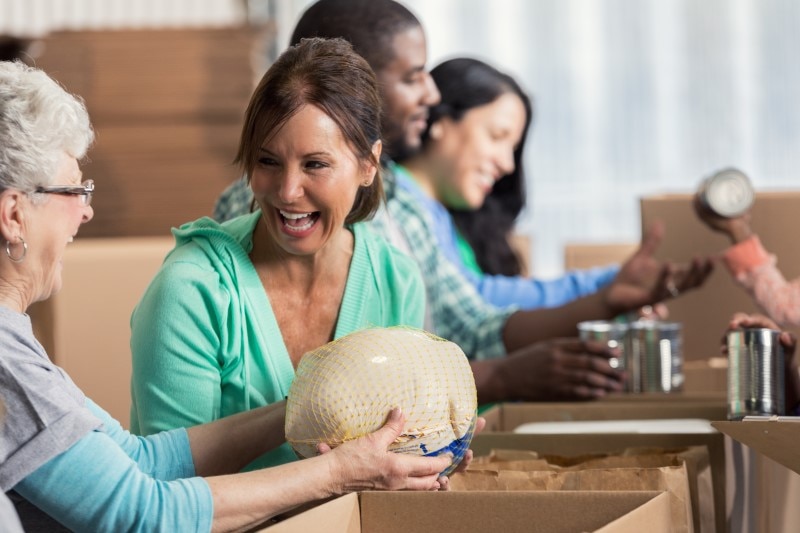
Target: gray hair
<point>39,121</point>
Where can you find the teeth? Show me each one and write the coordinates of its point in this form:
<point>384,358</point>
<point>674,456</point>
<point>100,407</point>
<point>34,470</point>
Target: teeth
<point>487,180</point>
<point>294,216</point>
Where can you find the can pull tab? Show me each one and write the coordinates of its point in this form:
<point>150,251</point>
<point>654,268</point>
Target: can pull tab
<point>727,193</point>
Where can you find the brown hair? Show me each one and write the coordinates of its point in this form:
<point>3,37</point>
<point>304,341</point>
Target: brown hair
<point>326,73</point>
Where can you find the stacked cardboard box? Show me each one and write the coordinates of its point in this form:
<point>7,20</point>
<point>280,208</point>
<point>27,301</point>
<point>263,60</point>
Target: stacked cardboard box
<point>85,327</point>
<point>167,107</point>
<point>580,256</point>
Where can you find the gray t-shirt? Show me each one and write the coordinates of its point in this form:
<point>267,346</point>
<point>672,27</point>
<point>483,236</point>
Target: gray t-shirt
<point>45,410</point>
<point>9,521</point>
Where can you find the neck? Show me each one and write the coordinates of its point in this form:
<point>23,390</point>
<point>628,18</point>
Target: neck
<point>305,271</point>
<point>12,297</point>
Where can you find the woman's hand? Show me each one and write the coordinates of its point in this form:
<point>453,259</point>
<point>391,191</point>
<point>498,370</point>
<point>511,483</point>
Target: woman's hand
<point>367,464</point>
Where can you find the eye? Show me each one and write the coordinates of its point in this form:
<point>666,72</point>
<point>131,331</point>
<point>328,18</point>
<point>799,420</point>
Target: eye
<point>316,165</point>
<point>267,161</point>
<point>415,78</point>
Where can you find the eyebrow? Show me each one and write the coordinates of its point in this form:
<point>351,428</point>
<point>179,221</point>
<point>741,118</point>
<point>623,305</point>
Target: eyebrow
<point>311,154</point>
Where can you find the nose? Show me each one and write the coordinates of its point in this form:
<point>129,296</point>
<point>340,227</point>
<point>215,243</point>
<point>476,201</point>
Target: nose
<point>505,162</point>
<point>431,96</point>
<point>291,187</point>
<point>88,214</point>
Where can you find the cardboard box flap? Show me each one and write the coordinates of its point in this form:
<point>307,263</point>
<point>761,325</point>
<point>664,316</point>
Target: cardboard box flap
<point>656,511</point>
<point>509,416</point>
<point>556,512</point>
<point>341,515</point>
<point>777,439</point>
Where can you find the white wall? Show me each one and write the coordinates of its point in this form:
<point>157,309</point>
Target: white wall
<point>632,97</point>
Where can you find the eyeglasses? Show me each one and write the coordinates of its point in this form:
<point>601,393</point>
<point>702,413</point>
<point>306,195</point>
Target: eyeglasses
<point>85,190</point>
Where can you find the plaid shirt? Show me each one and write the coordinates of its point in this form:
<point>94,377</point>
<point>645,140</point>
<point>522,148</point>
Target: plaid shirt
<point>455,309</point>
<point>234,201</point>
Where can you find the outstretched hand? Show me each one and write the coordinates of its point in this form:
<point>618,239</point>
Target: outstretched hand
<point>645,280</point>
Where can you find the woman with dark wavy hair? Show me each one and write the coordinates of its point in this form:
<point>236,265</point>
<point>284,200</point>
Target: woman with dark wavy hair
<point>469,175</point>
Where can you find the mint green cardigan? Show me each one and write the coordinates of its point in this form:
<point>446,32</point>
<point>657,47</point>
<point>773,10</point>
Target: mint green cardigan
<point>204,338</point>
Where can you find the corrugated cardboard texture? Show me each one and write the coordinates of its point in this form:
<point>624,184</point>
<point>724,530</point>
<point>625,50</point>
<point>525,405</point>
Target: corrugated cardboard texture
<point>85,328</point>
<point>579,256</point>
<point>705,312</point>
<point>167,107</point>
<point>520,512</point>
<point>401,512</point>
<point>342,515</point>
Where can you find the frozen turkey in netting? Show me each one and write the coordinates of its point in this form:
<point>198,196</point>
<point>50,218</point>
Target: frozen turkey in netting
<point>346,389</point>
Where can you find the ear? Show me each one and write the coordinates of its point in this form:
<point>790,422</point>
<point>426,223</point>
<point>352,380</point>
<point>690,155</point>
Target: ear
<point>12,216</point>
<point>370,170</point>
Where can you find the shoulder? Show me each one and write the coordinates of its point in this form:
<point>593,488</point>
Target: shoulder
<point>382,254</point>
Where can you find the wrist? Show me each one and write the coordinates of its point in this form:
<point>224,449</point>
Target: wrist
<point>739,231</point>
<point>335,483</point>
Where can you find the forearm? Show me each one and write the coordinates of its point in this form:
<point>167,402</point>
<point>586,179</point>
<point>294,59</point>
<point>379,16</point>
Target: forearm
<point>489,385</point>
<point>246,500</point>
<point>228,444</point>
<point>526,327</point>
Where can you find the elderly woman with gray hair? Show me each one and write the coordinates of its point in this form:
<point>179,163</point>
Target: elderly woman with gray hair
<point>65,461</point>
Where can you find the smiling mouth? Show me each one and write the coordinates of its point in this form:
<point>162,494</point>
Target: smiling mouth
<point>298,222</point>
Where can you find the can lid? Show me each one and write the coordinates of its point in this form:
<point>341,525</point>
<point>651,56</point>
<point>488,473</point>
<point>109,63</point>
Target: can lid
<point>728,193</point>
<point>602,326</point>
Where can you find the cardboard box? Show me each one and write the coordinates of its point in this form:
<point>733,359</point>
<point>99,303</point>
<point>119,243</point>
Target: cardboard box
<point>403,512</point>
<point>85,328</point>
<point>705,312</point>
<point>580,256</point>
<point>502,419</point>
<point>706,377</point>
<point>152,74</point>
<point>768,485</point>
<point>508,416</point>
<point>778,439</point>
<point>167,106</point>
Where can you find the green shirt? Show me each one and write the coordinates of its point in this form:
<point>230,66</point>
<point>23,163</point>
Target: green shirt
<point>205,341</point>
<point>467,255</point>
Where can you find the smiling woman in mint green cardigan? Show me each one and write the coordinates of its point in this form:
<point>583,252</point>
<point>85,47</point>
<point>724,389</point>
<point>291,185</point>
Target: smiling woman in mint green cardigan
<point>234,307</point>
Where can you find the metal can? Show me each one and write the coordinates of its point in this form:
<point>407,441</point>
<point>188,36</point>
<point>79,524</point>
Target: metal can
<point>614,334</point>
<point>755,373</point>
<point>656,356</point>
<point>728,193</point>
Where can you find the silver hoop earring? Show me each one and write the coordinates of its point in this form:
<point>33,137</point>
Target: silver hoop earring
<point>21,258</point>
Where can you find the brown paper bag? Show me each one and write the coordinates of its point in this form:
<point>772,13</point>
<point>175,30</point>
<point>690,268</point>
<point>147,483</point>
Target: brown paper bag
<point>685,473</point>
